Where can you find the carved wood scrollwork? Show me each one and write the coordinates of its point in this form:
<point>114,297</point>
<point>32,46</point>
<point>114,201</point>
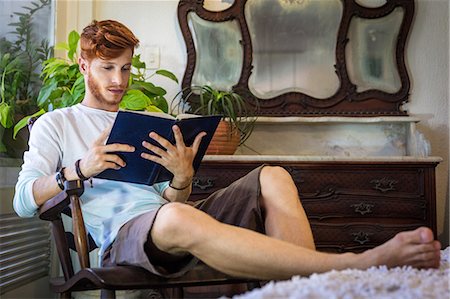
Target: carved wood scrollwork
<point>347,99</point>
<point>363,208</point>
<point>384,184</point>
<point>203,184</point>
<point>361,237</point>
<point>295,174</point>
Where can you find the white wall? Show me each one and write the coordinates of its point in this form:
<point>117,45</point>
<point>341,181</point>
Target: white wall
<point>428,61</point>
<point>155,23</point>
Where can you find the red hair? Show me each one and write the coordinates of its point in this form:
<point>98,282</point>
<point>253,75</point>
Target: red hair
<point>106,40</point>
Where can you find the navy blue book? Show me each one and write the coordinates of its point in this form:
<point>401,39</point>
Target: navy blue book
<point>133,127</point>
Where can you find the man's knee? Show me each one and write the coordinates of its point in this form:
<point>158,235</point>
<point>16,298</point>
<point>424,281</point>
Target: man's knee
<point>171,225</point>
<point>171,217</point>
<point>277,187</point>
<point>275,174</point>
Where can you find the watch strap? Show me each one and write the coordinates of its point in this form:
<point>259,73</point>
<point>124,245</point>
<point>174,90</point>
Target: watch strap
<point>60,178</point>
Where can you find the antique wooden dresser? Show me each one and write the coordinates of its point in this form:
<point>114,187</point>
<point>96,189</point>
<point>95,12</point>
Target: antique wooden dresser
<point>353,204</point>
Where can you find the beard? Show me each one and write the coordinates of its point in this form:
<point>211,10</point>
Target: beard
<point>94,88</point>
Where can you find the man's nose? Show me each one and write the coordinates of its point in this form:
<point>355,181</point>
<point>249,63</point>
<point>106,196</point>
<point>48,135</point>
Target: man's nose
<point>118,78</point>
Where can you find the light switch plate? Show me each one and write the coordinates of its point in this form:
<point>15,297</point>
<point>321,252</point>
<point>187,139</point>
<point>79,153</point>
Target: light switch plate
<point>151,56</point>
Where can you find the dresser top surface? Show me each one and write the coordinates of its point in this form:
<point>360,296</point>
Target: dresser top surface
<point>303,158</point>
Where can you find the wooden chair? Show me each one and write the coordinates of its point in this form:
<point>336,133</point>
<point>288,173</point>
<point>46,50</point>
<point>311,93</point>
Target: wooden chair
<point>108,279</point>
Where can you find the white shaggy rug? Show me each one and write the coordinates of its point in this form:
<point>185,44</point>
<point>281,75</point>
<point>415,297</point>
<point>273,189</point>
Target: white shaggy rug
<point>376,282</point>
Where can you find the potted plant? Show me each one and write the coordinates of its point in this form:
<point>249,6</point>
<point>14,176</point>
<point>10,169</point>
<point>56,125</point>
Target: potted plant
<point>238,117</point>
<point>63,84</point>
<point>20,63</point>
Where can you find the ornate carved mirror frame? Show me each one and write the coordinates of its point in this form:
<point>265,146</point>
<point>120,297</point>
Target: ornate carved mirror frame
<point>363,72</point>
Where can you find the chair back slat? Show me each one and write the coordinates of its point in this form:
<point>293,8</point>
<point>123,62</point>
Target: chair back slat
<point>79,232</point>
<point>71,242</point>
<point>63,248</point>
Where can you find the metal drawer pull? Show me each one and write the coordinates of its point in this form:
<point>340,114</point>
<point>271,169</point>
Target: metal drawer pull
<point>197,183</point>
<point>361,237</point>
<point>363,208</point>
<point>384,184</point>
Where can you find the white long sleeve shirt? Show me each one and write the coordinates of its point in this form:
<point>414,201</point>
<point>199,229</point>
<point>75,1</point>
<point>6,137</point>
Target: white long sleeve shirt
<point>58,139</point>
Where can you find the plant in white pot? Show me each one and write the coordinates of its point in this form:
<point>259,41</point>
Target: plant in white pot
<point>238,117</point>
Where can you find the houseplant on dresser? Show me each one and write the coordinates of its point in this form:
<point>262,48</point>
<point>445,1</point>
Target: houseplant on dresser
<point>238,117</point>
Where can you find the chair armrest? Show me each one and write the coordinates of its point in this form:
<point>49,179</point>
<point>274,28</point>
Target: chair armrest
<point>52,208</point>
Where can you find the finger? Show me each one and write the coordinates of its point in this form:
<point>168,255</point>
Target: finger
<point>179,142</point>
<point>118,147</point>
<point>161,140</point>
<point>153,148</point>
<point>197,141</point>
<point>116,160</point>
<point>111,165</point>
<point>101,140</point>
<point>110,161</point>
<point>153,158</point>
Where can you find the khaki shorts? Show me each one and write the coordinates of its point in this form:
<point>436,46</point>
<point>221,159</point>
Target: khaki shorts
<point>237,204</point>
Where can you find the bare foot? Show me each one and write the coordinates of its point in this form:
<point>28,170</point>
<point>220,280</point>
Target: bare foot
<point>412,248</point>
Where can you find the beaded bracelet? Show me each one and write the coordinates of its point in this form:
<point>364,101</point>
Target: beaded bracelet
<point>78,170</point>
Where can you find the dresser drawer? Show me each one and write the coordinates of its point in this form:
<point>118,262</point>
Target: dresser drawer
<point>363,207</point>
<point>356,180</point>
<point>355,237</point>
<point>208,180</point>
<point>320,180</point>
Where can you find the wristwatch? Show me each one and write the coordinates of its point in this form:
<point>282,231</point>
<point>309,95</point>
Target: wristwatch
<point>60,178</point>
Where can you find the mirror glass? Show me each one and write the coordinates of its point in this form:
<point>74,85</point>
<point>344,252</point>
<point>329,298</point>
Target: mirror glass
<point>219,56</point>
<point>371,60</point>
<point>301,57</point>
<point>217,5</point>
<point>294,44</point>
<point>371,3</point>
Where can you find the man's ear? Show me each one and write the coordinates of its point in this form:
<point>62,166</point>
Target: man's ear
<point>82,64</point>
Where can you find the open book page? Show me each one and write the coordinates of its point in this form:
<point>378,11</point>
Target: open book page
<point>165,115</point>
<point>151,113</point>
<point>187,115</point>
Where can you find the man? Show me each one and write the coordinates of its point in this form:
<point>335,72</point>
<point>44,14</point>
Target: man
<point>255,228</point>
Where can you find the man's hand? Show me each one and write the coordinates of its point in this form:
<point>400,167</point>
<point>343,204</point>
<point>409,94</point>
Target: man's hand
<point>177,158</point>
<point>98,158</point>
<point>101,156</point>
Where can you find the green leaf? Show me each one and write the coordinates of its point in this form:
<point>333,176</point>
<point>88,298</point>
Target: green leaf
<point>137,63</point>
<point>74,37</point>
<point>66,99</point>
<point>6,117</point>
<point>135,100</point>
<point>153,108</point>
<point>161,103</point>
<point>167,74</point>
<point>5,60</point>
<point>150,87</point>
<point>24,121</point>
<point>45,92</point>
<point>78,85</point>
